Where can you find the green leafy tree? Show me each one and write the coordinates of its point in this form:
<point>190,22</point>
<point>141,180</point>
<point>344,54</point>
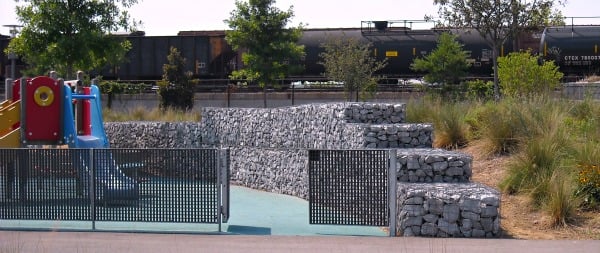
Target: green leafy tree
<point>352,63</point>
<point>521,75</point>
<point>445,65</point>
<point>259,28</point>
<point>69,35</point>
<point>495,20</point>
<point>176,89</point>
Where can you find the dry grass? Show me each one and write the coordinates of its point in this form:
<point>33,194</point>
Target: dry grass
<point>540,149</point>
<point>519,217</point>
<point>143,114</point>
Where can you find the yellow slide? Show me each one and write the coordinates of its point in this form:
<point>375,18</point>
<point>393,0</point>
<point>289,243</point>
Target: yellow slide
<point>10,114</point>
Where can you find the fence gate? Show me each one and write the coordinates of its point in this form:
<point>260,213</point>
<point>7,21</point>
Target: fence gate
<point>133,185</point>
<point>349,187</point>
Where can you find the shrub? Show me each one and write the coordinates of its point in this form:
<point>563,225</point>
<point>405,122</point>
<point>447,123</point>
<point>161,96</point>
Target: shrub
<point>588,179</point>
<point>115,88</point>
<point>480,89</point>
<point>446,64</point>
<point>176,88</point>
<point>587,159</point>
<point>521,75</point>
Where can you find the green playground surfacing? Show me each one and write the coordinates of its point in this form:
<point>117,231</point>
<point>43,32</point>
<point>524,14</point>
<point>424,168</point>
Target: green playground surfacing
<point>252,212</point>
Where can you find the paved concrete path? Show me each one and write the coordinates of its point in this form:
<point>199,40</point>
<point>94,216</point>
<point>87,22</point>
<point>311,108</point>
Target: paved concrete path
<point>92,242</point>
<point>260,222</point>
<point>253,212</point>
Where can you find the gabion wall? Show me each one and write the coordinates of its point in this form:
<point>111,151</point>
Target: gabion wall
<point>448,210</point>
<point>433,165</point>
<point>266,142</point>
<point>269,152</point>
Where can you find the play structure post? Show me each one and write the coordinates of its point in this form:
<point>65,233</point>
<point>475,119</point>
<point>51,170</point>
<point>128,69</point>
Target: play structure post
<point>79,106</point>
<point>53,75</point>
<point>23,119</point>
<point>8,89</point>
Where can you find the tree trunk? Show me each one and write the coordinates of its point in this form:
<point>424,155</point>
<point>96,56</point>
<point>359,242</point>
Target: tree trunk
<point>69,72</point>
<point>496,80</point>
<point>515,24</point>
<point>109,100</point>
<point>265,96</point>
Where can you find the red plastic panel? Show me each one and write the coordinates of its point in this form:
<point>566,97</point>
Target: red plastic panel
<point>86,115</point>
<point>17,89</point>
<point>42,110</point>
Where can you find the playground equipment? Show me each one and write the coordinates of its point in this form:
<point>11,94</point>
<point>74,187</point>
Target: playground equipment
<point>50,111</point>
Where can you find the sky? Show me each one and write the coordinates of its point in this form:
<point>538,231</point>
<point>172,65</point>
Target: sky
<point>162,17</point>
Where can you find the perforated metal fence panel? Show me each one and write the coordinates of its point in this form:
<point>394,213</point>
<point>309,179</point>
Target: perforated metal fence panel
<point>41,184</point>
<point>348,187</point>
<point>148,185</point>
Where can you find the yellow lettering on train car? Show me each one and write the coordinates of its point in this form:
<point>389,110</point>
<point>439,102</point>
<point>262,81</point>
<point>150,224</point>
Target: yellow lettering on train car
<point>391,53</point>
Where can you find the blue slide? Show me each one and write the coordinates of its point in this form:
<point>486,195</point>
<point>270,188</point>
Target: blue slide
<point>111,183</point>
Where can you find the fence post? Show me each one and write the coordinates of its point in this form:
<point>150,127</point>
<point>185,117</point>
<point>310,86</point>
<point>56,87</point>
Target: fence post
<point>224,183</point>
<point>91,187</point>
<point>392,181</point>
<point>219,187</point>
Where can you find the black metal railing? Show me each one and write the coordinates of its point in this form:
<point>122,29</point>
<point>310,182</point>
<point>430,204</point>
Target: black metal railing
<point>144,185</point>
<point>348,187</point>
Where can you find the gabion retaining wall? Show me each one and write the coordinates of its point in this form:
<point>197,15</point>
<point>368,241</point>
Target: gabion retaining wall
<point>448,210</point>
<point>140,134</point>
<point>374,113</point>
<point>273,170</point>
<point>268,152</point>
<point>314,126</point>
<point>398,136</point>
<point>433,165</point>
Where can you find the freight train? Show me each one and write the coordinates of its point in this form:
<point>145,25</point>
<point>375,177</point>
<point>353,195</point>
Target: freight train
<point>209,57</point>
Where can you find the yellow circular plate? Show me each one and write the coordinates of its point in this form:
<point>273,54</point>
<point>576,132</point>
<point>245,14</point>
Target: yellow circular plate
<point>43,96</point>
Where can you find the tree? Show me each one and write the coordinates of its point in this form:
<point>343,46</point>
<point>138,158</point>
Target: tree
<point>176,88</point>
<point>260,28</point>
<point>495,20</point>
<point>69,35</point>
<point>350,62</point>
<point>521,75</point>
<point>445,65</point>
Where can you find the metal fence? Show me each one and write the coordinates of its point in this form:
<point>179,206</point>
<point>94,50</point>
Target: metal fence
<point>349,187</point>
<point>136,185</point>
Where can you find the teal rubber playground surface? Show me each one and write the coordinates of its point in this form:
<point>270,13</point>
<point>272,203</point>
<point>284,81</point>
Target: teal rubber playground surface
<point>253,212</point>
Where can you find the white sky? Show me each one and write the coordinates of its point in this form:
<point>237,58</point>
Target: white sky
<point>162,17</point>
